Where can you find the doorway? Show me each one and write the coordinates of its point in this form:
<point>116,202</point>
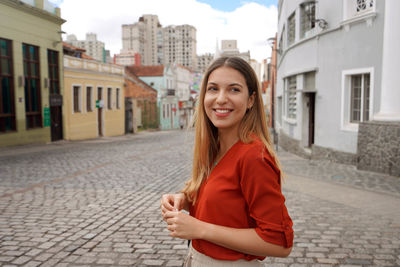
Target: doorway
<point>100,105</point>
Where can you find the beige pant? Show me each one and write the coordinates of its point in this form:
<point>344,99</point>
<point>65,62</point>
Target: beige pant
<point>197,259</point>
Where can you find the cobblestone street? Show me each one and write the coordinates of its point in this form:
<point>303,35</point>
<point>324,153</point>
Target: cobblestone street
<point>96,203</point>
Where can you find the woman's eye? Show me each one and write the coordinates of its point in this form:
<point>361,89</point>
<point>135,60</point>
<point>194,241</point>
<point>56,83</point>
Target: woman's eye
<point>235,89</point>
<point>211,89</point>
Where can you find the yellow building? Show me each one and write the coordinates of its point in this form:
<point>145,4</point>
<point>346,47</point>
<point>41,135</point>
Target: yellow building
<point>93,99</point>
<point>31,84</point>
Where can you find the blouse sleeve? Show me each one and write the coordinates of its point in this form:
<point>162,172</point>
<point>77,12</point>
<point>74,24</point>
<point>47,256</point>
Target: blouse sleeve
<point>261,187</point>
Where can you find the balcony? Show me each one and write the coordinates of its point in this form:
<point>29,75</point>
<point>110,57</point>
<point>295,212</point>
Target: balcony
<point>170,92</point>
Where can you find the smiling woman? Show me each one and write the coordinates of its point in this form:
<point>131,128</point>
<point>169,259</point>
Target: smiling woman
<point>237,211</point>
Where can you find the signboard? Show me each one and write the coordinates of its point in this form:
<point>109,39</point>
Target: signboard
<point>56,100</point>
<point>99,103</point>
<point>46,116</point>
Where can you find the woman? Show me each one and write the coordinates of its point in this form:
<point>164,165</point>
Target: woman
<point>237,211</point>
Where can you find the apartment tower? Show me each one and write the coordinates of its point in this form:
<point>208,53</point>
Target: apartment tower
<point>179,45</point>
<point>143,37</point>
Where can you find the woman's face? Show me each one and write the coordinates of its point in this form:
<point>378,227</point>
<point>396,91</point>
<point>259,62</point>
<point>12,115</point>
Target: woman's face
<point>227,98</point>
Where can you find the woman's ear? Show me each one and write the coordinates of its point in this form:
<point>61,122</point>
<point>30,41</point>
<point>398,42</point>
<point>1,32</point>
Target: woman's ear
<point>250,101</point>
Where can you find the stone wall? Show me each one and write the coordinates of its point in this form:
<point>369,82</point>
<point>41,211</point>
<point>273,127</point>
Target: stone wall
<point>319,152</point>
<point>378,147</point>
<point>292,145</point>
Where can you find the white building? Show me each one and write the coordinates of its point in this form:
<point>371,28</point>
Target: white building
<point>337,83</point>
<point>93,47</point>
<point>143,37</point>
<point>179,45</point>
<point>184,79</point>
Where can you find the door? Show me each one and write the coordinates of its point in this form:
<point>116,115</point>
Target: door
<point>100,110</point>
<point>128,116</point>
<point>56,117</point>
<point>56,123</point>
<point>311,115</point>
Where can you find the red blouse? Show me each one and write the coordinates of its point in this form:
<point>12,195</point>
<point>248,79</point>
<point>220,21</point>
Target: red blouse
<point>244,191</point>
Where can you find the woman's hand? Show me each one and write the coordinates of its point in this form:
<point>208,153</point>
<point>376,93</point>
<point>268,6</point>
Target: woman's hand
<point>173,202</point>
<point>184,226</point>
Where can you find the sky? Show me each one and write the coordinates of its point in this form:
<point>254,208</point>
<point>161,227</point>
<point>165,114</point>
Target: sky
<point>249,22</point>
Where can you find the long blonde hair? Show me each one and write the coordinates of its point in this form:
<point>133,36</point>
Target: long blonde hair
<point>206,136</point>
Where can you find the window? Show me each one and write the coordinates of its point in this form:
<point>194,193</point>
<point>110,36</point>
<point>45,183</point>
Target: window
<point>109,98</point>
<point>7,109</point>
<point>307,18</point>
<point>359,99</point>
<point>52,58</point>
<point>168,110</point>
<point>163,111</point>
<point>32,88</point>
<point>281,45</point>
<point>117,96</point>
<point>76,91</point>
<point>358,8</point>
<point>291,97</point>
<point>89,102</point>
<point>291,29</point>
<point>364,5</point>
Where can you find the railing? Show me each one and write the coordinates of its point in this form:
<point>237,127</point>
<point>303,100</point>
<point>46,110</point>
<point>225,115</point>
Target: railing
<point>79,63</point>
<point>170,92</point>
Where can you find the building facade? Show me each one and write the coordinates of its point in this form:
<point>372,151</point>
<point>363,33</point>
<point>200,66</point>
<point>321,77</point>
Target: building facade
<point>93,100</point>
<point>31,68</point>
<point>164,80</point>
<point>127,58</point>
<point>337,81</point>
<point>179,46</point>
<point>184,81</point>
<point>140,104</point>
<point>93,47</point>
<point>229,49</point>
<point>203,61</point>
<point>143,37</point>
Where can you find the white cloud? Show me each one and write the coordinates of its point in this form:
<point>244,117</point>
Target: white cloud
<point>251,24</point>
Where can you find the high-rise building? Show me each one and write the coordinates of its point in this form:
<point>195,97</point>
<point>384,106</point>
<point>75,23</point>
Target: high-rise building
<point>203,61</point>
<point>179,45</point>
<point>160,46</point>
<point>143,37</point>
<point>93,47</point>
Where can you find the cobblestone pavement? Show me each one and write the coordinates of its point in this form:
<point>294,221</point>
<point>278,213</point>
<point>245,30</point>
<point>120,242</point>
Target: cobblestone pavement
<point>96,203</point>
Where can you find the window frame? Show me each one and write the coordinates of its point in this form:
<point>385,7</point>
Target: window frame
<point>53,67</point>
<point>78,107</point>
<point>89,101</point>
<point>118,98</point>
<point>346,123</point>
<point>10,78</point>
<point>33,119</point>
<point>291,93</point>
<point>307,25</point>
<point>109,98</point>
<point>291,39</point>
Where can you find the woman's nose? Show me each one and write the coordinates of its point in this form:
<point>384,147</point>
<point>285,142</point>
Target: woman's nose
<point>221,97</point>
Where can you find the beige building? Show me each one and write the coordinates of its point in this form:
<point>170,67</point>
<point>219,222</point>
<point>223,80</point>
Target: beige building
<point>143,37</point>
<point>31,85</point>
<point>203,61</point>
<point>93,99</point>
<point>179,45</point>
<point>229,49</point>
<point>93,47</point>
